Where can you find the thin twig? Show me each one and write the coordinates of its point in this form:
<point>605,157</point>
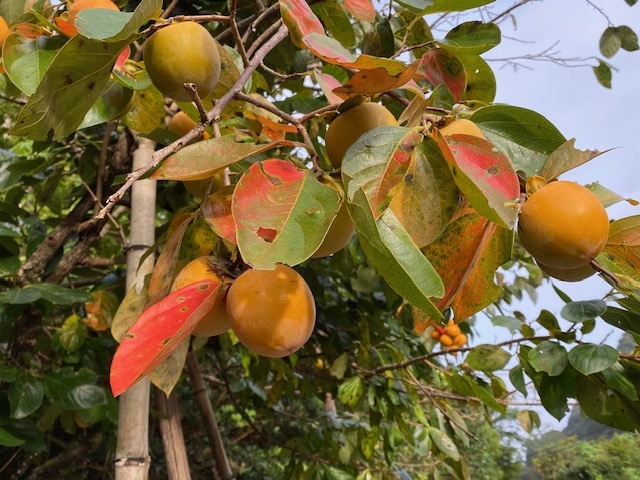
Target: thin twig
<point>264,36</point>
<point>236,33</point>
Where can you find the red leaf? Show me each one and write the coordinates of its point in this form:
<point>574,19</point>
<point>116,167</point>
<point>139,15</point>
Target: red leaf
<point>160,329</point>
<point>484,175</point>
<point>328,84</point>
<point>373,82</point>
<point>361,9</point>
<point>440,66</point>
<point>466,256</point>
<point>300,20</point>
<point>281,212</point>
<point>217,213</point>
<point>332,51</point>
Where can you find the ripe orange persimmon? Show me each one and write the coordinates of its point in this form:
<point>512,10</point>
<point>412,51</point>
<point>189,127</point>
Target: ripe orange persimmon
<point>4,31</point>
<point>272,312</point>
<point>464,126</point>
<point>569,274</point>
<point>216,321</point>
<point>563,225</point>
<point>452,329</point>
<point>460,340</point>
<point>446,340</point>
<point>339,234</point>
<point>180,53</point>
<point>181,124</point>
<point>68,25</point>
<point>350,125</point>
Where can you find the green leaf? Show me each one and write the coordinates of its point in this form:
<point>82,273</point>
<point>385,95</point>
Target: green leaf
<point>8,440</point>
<point>104,24</point>
<point>72,334</point>
<point>526,137</point>
<point>628,38</point>
<point>444,444</point>
<point>339,366</point>
<point>554,392</point>
<point>350,391</point>
<point>60,295</point>
<point>510,323</point>
<point>336,22</point>
<point>488,358</point>
<point>473,37</point>
<point>68,89</point>
<point>26,60</point>
<point>334,473</point>
<point>481,81</point>
<point>392,251</point>
<point>590,358</point>
<point>615,376</point>
<point>548,320</point>
<point>603,73</point>
<point>114,102</point>
<point>622,319</point>
<point>577,312</point>
<point>610,42</point>
<point>601,406</point>
<point>25,396</point>
<point>516,376</point>
<point>549,357</point>
<point>71,390</point>
<point>20,296</point>
<point>443,6</point>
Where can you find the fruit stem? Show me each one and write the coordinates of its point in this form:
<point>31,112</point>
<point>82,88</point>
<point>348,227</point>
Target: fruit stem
<point>596,266</point>
<point>193,93</point>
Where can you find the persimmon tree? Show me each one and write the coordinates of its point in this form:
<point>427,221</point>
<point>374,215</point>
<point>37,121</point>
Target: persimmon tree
<point>435,208</point>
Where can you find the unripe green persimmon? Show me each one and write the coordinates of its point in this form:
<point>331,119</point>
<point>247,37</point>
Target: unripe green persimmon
<point>563,225</point>
<point>350,125</point>
<point>464,126</point>
<point>180,53</point>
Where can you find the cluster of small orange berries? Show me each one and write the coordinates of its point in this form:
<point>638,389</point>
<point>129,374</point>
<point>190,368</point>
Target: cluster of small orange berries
<point>450,336</point>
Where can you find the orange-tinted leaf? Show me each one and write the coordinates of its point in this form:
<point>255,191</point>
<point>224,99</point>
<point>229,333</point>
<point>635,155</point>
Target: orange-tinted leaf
<point>282,213</point>
<point>328,84</point>
<point>361,9</point>
<point>273,130</point>
<point>566,157</point>
<point>466,257</point>
<point>201,160</point>
<point>101,310</point>
<point>374,82</point>
<point>163,270</point>
<point>331,51</point>
<point>217,212</point>
<point>440,66</point>
<point>484,175</point>
<point>427,197</point>
<point>160,329</point>
<point>624,243</point>
<point>300,20</point>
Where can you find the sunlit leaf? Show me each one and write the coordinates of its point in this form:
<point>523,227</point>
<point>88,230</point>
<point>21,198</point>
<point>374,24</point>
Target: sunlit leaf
<point>565,158</point>
<point>202,159</point>
<point>361,9</point>
<point>466,256</point>
<point>282,213</point>
<point>159,330</point>
<point>68,89</point>
<point>526,137</point>
<point>166,375</point>
<point>216,209</point>
<point>444,444</point>
<point>443,6</point>
<point>111,25</point>
<point>101,309</point>
<point>300,20</point>
<point>146,110</point>
<point>375,81</point>
<point>484,175</point>
<point>481,81</point>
